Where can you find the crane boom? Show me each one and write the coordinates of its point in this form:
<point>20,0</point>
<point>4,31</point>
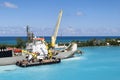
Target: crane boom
<point>53,38</point>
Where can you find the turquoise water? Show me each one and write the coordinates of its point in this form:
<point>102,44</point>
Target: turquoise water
<point>97,63</point>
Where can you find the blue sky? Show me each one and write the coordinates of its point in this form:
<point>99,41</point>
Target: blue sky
<point>80,17</point>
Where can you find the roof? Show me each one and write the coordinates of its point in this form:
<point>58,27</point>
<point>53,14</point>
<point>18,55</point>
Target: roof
<point>40,39</point>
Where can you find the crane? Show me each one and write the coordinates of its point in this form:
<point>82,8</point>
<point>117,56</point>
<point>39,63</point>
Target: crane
<point>53,38</point>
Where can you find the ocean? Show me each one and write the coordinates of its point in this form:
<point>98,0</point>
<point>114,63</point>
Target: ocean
<point>97,63</point>
<point>63,39</point>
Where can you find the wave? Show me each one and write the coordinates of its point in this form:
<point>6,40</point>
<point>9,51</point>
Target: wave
<point>74,58</point>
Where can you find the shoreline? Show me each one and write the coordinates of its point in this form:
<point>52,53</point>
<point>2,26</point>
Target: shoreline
<point>12,60</point>
<point>98,46</point>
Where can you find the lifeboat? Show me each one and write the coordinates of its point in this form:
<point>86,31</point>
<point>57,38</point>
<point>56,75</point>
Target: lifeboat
<point>17,50</point>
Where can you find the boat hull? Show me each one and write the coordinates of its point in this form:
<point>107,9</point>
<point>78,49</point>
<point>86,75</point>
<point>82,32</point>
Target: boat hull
<point>68,52</point>
<point>64,55</point>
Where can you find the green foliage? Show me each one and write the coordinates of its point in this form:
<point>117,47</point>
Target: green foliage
<point>6,45</point>
<point>95,42</point>
<point>20,43</point>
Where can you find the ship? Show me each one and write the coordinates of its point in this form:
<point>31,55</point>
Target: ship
<point>39,45</point>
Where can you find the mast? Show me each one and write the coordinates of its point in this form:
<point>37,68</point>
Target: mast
<point>30,34</point>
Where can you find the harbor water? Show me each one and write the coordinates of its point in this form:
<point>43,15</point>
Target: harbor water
<point>97,63</point>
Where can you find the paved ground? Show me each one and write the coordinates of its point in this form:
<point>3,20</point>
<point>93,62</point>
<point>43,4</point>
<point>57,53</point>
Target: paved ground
<point>10,60</point>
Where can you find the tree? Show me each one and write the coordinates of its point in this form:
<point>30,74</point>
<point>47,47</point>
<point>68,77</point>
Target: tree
<point>20,43</point>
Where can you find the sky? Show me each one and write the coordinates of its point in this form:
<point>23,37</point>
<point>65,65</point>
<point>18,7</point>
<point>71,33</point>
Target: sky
<point>80,17</point>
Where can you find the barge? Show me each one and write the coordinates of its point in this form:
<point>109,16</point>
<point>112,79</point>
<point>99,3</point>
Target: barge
<point>26,63</point>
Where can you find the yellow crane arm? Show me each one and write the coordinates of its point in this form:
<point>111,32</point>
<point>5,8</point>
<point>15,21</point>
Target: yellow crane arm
<point>53,38</point>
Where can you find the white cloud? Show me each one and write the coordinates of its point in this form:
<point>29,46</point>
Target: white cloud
<point>9,5</point>
<point>66,31</point>
<point>79,13</point>
<point>100,31</point>
<point>70,31</point>
<point>12,31</point>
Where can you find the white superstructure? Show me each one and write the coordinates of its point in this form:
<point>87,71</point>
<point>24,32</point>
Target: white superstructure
<point>38,46</point>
